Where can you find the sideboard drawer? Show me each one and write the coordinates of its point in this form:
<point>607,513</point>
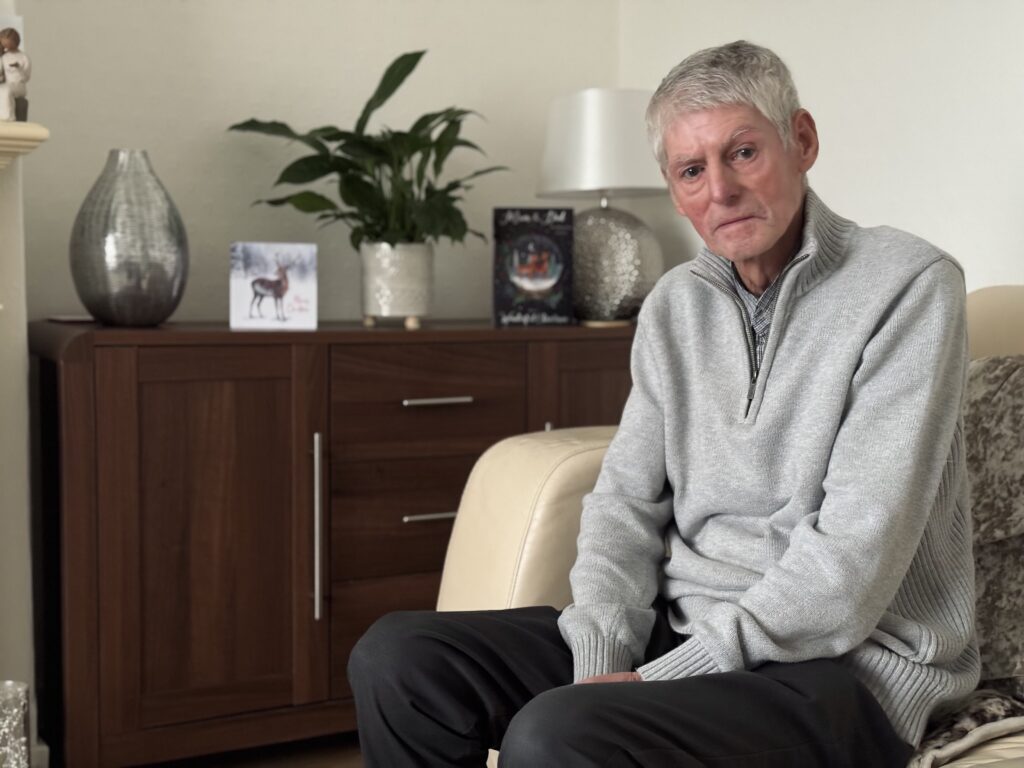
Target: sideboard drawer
<point>390,401</point>
<point>391,517</point>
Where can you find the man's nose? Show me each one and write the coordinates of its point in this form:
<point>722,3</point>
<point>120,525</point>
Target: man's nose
<point>722,183</point>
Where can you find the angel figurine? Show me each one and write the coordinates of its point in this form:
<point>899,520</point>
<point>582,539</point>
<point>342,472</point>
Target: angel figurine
<point>16,70</point>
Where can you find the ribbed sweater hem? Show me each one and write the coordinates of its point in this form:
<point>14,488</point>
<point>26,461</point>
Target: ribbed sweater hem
<point>686,660</point>
<point>596,655</point>
<point>907,691</point>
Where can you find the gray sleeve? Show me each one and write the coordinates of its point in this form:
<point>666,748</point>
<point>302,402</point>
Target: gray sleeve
<point>895,465</point>
<point>621,545</point>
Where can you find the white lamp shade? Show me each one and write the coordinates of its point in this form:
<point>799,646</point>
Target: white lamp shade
<point>597,143</point>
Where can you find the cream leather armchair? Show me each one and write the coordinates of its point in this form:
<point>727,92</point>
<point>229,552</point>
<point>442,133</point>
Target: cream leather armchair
<point>514,538</point>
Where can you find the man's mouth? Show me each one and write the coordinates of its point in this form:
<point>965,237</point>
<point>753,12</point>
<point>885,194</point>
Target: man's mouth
<point>736,220</point>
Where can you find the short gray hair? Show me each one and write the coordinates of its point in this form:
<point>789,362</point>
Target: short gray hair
<point>736,73</point>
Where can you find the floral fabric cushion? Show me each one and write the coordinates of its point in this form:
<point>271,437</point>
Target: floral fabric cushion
<point>984,716</point>
<point>994,435</point>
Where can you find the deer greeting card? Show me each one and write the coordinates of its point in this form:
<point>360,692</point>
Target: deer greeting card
<point>273,286</point>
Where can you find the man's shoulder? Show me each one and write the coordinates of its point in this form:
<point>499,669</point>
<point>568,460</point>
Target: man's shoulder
<point>672,291</point>
<point>884,249</point>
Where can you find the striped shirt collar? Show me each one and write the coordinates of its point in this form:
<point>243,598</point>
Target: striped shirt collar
<point>760,309</point>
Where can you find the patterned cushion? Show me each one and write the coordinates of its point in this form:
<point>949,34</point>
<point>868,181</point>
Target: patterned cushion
<point>984,716</point>
<point>994,433</point>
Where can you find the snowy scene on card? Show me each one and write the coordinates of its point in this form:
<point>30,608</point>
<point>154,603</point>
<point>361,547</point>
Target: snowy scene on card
<point>273,286</point>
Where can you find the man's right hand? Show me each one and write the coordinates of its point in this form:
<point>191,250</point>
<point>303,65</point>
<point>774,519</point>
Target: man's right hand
<point>613,677</point>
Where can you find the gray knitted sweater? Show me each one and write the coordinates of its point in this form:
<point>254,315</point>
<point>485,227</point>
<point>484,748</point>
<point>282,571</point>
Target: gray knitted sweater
<point>817,511</point>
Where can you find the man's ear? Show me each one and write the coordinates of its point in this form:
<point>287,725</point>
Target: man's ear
<point>805,139</point>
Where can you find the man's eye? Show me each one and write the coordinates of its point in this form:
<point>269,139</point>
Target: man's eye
<point>690,172</point>
<point>744,153</point>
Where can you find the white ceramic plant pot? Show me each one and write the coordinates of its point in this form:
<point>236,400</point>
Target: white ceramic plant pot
<point>398,281</point>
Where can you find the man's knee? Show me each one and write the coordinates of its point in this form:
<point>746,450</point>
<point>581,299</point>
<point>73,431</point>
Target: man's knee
<point>392,644</point>
<point>557,727</point>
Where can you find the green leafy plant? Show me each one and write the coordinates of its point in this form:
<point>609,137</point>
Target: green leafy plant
<point>388,182</point>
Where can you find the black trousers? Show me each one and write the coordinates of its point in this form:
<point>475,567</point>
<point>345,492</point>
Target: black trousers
<point>439,689</point>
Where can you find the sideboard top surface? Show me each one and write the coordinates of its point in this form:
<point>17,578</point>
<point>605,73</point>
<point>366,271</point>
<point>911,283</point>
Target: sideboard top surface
<point>56,340</point>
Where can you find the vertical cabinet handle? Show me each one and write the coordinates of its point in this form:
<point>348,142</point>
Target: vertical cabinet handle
<point>317,525</point>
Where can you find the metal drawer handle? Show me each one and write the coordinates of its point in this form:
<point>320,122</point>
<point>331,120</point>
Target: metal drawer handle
<point>431,516</point>
<point>414,402</point>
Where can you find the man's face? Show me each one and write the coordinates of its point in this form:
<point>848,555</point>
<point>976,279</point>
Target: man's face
<point>730,175</point>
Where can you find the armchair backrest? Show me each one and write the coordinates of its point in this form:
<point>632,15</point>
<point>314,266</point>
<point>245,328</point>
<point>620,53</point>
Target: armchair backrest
<point>995,321</point>
<point>514,539</point>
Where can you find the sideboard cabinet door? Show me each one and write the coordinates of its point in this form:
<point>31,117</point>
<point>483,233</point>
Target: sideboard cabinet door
<point>205,490</point>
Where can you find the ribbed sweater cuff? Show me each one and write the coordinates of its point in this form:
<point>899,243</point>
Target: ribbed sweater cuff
<point>596,655</point>
<point>686,660</point>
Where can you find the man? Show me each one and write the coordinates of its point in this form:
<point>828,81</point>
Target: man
<point>774,568</point>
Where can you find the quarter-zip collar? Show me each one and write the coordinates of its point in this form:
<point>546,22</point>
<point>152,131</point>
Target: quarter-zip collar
<point>824,240</point>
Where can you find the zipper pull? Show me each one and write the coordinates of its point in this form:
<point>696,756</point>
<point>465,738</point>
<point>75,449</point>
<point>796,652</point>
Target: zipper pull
<point>750,396</point>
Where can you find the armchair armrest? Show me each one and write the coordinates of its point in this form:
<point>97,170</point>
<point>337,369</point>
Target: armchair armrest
<point>514,538</point>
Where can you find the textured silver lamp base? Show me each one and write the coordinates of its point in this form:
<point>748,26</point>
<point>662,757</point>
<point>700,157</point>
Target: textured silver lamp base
<point>616,261</point>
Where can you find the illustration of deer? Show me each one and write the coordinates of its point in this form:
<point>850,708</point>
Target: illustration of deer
<point>264,286</point>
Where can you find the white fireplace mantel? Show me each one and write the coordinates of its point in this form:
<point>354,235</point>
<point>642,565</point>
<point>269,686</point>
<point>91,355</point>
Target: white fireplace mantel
<point>17,649</point>
<point>19,139</point>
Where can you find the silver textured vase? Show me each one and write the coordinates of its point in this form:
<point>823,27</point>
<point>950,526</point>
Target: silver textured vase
<point>398,281</point>
<point>616,262</point>
<point>129,251</point>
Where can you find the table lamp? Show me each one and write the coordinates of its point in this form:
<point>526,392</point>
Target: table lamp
<point>597,145</point>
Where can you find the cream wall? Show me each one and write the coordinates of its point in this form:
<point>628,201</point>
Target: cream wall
<point>915,103</point>
<point>919,106</point>
<point>171,76</point>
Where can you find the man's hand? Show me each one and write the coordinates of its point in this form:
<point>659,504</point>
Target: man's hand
<point>613,677</point>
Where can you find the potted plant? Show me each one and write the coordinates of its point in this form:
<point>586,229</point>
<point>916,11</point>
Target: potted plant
<point>390,191</point>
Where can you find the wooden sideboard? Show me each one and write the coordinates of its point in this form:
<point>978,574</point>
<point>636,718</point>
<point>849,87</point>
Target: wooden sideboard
<point>220,515</point>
